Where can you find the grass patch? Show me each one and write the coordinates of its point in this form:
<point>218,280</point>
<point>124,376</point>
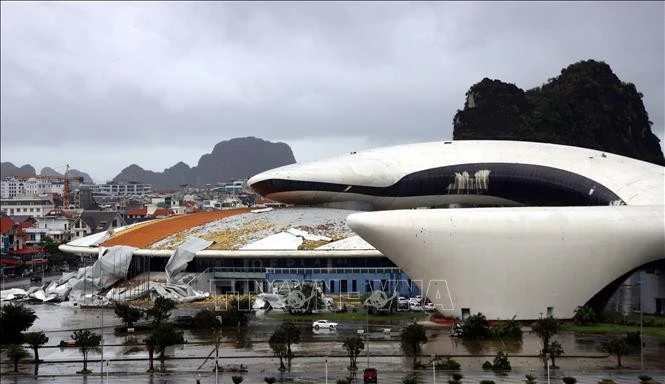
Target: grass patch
<point>606,328</point>
<point>348,316</point>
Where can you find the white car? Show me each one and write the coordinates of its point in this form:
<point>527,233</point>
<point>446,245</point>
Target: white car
<point>324,324</point>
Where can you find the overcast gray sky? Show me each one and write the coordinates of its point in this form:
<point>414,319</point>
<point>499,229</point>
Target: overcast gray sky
<point>100,86</point>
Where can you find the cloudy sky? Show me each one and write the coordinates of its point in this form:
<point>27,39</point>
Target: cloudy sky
<point>100,86</point>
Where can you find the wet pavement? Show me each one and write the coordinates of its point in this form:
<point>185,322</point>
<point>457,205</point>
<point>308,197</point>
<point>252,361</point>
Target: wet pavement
<point>128,363</point>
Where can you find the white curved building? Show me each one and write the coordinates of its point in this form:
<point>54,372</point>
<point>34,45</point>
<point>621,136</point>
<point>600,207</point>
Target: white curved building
<point>573,222</point>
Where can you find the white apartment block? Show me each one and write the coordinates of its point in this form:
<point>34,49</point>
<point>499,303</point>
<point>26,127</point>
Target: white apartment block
<point>11,187</point>
<point>35,207</point>
<point>55,225</point>
<point>120,189</point>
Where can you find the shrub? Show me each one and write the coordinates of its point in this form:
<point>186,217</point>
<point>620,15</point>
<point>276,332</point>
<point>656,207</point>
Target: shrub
<point>530,379</point>
<point>269,380</point>
<point>237,379</point>
<point>476,327</point>
<point>606,381</point>
<point>447,364</point>
<point>410,379</point>
<point>569,380</point>
<point>487,365</point>
<point>644,377</point>
<point>457,379</point>
<point>501,362</point>
<point>511,329</point>
<point>486,381</point>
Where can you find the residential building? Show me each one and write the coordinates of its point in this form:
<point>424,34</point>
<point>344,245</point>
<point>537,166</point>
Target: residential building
<point>13,187</point>
<point>36,207</point>
<point>89,222</point>
<point>56,224</point>
<point>120,189</point>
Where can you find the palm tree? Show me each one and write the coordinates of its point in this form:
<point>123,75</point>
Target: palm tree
<point>166,335</point>
<point>86,341</point>
<point>411,338</point>
<point>35,340</point>
<point>151,345</point>
<point>353,346</point>
<point>618,347</point>
<point>290,334</point>
<point>15,318</point>
<point>16,353</point>
<point>160,310</point>
<point>277,343</point>
<point>127,313</point>
<point>545,328</point>
<point>555,350</point>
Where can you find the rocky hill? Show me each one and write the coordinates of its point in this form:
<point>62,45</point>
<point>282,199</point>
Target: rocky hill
<point>585,106</point>
<point>233,159</point>
<point>9,169</point>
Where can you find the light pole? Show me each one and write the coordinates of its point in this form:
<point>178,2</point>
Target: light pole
<point>547,356</point>
<point>433,372</point>
<point>367,336</point>
<point>641,330</point>
<point>326,362</point>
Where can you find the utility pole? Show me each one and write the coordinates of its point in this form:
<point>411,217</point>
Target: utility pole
<point>641,329</point>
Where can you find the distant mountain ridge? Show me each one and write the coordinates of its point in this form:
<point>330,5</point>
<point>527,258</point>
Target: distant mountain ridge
<point>9,169</point>
<point>238,158</point>
<point>586,106</point>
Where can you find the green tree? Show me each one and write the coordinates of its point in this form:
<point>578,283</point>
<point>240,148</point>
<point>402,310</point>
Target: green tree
<point>303,299</point>
<point>15,318</point>
<point>35,340</point>
<point>616,346</point>
<point>160,310</point>
<point>476,327</point>
<point>237,379</point>
<point>236,314</point>
<point>555,350</point>
<point>292,336</point>
<point>151,345</point>
<point>353,346</point>
<point>584,315</point>
<point>545,328</point>
<point>86,341</point>
<point>16,353</point>
<point>511,329</point>
<point>277,343</point>
<point>411,338</point>
<point>128,314</point>
<point>165,335</point>
<point>55,256</point>
<point>501,362</point>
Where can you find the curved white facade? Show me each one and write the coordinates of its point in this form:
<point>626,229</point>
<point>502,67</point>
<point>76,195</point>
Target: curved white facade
<point>461,172</point>
<point>576,221</point>
<point>507,262</point>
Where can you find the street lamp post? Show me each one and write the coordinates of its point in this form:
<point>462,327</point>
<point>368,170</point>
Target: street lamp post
<point>367,336</point>
<point>433,372</point>
<point>326,362</point>
<point>641,330</point>
<point>547,356</point>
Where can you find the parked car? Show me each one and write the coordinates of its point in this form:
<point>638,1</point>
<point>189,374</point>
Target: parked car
<point>429,307</point>
<point>324,324</point>
<point>370,375</point>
